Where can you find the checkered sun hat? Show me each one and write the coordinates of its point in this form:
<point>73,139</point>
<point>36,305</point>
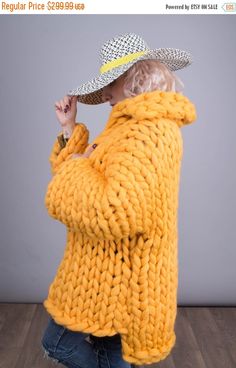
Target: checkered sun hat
<point>118,55</point>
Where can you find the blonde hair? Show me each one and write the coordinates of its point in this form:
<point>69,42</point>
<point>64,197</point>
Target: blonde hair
<point>150,75</point>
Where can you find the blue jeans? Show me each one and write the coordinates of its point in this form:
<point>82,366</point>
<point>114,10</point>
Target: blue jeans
<point>82,350</point>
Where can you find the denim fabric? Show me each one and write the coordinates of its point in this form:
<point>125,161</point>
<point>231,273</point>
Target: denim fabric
<point>82,350</point>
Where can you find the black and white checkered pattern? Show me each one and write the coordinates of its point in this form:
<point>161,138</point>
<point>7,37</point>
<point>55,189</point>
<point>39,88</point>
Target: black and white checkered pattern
<point>91,92</point>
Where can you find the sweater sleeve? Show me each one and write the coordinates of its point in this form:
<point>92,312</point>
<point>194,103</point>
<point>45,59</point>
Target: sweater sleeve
<point>77,143</point>
<point>108,205</point>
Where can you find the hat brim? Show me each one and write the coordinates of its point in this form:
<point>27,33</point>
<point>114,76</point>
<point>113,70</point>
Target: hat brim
<point>91,92</point>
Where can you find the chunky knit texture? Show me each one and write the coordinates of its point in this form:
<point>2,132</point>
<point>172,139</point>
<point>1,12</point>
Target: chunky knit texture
<point>119,271</point>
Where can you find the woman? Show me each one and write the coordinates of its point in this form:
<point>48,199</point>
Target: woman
<point>113,301</point>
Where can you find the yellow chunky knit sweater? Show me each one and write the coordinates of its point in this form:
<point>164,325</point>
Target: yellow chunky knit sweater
<point>119,271</point>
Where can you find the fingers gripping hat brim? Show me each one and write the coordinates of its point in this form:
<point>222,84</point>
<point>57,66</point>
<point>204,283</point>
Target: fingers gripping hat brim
<point>91,92</point>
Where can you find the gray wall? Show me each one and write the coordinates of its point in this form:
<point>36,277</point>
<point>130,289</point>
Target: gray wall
<point>42,57</point>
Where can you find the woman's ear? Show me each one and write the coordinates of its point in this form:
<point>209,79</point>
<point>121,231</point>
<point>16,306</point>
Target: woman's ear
<point>106,93</point>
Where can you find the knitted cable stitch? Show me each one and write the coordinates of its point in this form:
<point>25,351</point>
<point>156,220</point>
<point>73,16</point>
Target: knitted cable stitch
<point>119,271</point>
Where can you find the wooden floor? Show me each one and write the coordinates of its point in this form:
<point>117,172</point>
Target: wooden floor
<point>206,338</point>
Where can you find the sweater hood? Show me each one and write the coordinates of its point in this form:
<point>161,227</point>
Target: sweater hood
<point>155,104</point>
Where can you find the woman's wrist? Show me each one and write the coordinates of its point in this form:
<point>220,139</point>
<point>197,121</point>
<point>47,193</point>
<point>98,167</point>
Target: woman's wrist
<point>62,140</point>
<point>68,130</point>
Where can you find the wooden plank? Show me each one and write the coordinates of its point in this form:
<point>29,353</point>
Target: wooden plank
<point>225,318</point>
<point>32,353</point>
<point>209,338</point>
<point>186,352</point>
<point>15,321</point>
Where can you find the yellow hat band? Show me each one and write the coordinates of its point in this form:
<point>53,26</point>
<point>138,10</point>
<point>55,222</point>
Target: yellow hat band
<point>121,61</point>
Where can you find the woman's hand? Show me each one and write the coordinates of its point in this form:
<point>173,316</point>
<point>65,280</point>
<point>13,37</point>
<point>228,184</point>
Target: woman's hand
<point>85,154</point>
<point>66,110</point>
